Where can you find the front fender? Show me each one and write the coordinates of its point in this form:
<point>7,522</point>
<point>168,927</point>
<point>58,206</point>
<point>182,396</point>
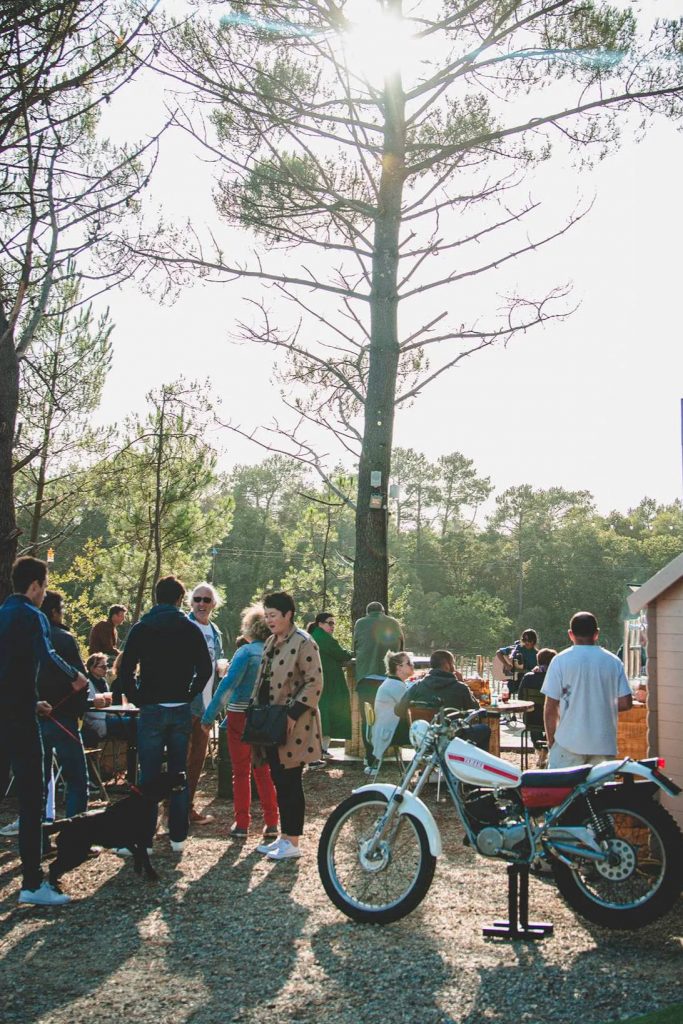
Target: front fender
<point>410,805</point>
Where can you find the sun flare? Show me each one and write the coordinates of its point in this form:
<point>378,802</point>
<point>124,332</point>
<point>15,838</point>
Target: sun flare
<point>376,42</point>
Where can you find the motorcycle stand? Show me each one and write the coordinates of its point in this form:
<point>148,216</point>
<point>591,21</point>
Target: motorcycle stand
<point>518,926</point>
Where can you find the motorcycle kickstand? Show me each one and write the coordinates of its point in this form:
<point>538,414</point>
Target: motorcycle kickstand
<point>518,925</point>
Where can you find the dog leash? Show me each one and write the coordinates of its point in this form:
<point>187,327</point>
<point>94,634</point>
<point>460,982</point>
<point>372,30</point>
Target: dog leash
<point>59,703</point>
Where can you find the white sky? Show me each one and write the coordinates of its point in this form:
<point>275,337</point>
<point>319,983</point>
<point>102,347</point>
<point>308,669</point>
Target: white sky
<point>590,403</point>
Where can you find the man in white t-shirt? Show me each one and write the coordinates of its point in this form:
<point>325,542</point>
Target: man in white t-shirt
<point>585,688</point>
<point>204,601</point>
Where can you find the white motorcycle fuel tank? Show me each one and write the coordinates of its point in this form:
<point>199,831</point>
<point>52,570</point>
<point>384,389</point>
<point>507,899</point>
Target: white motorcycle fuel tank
<point>479,768</point>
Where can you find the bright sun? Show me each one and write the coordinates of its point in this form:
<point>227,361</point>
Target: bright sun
<point>377,43</point>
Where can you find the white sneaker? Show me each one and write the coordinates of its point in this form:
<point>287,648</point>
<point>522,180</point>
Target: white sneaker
<point>268,847</point>
<point>286,851</point>
<point>178,846</point>
<point>45,896</point>
<point>123,851</point>
<point>11,830</point>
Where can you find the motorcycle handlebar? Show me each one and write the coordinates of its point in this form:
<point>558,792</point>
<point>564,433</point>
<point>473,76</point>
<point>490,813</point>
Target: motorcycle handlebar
<point>466,717</point>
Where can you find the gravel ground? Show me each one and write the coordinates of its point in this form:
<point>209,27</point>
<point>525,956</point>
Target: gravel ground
<point>225,936</point>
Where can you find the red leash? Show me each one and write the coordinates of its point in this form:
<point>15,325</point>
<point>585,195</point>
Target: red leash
<point>59,703</point>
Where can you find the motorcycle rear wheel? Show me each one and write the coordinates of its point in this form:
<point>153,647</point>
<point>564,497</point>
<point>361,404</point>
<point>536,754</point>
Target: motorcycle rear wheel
<point>645,875</point>
<point>383,886</point>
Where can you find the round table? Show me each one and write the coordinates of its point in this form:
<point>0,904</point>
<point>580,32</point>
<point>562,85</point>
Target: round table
<point>493,715</point>
<point>132,751</point>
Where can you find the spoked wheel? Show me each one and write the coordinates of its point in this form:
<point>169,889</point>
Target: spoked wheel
<point>379,883</point>
<point>643,874</point>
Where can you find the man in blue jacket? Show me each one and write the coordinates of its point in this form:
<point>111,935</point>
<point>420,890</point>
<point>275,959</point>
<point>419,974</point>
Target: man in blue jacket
<point>174,667</point>
<point>60,731</point>
<point>25,645</point>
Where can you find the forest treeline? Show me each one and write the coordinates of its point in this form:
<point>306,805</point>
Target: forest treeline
<point>469,567</point>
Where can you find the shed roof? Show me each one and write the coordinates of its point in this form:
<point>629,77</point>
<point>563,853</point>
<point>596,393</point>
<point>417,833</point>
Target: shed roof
<point>656,585</point>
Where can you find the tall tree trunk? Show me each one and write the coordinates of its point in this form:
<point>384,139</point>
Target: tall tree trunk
<point>142,582</point>
<point>156,525</point>
<point>37,513</point>
<point>9,401</point>
<point>371,569</point>
<point>323,559</point>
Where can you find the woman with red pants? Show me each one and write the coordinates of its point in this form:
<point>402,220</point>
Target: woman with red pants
<point>235,690</point>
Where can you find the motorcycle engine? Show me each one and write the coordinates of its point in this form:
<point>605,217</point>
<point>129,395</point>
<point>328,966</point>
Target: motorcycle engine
<point>492,841</point>
<point>482,808</point>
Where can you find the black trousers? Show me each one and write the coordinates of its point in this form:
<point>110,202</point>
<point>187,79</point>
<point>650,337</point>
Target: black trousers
<point>21,740</point>
<point>290,794</point>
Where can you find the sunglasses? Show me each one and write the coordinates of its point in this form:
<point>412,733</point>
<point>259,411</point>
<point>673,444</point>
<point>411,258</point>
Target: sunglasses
<point>202,600</point>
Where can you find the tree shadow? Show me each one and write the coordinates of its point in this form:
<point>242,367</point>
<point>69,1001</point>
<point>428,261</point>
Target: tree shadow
<point>362,965</point>
<point>239,949</point>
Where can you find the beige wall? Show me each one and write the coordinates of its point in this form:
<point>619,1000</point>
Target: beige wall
<point>665,673</point>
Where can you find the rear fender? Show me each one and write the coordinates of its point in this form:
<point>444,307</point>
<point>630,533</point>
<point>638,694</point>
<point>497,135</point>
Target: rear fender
<point>410,805</point>
<point>628,767</point>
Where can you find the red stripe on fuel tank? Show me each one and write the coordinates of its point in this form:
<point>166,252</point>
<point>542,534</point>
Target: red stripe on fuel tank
<point>499,771</point>
<point>482,764</point>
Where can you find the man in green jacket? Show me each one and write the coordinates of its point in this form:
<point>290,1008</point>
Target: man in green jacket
<point>373,635</point>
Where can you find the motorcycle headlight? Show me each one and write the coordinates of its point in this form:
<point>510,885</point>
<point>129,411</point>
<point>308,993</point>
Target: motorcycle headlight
<point>418,731</point>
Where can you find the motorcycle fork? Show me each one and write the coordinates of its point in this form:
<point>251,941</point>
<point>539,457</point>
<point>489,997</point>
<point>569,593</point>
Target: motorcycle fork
<point>391,817</point>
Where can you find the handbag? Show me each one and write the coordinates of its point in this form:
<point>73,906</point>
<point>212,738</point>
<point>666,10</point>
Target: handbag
<point>265,725</point>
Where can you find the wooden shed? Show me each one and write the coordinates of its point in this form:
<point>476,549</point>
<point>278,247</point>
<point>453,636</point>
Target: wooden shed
<point>662,600</point>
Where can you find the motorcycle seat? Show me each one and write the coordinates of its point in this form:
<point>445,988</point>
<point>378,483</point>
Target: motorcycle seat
<point>555,778</point>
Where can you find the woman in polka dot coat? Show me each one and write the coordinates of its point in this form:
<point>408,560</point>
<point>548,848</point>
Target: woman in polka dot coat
<point>290,670</point>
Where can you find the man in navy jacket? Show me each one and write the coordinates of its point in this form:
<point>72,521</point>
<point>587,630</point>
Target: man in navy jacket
<point>174,667</point>
<point>25,645</point>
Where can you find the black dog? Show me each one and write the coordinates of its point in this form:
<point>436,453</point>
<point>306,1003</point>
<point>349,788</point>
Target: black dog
<point>124,824</point>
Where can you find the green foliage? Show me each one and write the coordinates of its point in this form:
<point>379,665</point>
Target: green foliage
<point>162,493</point>
<point>467,624</point>
<point>272,526</point>
<point>589,26</point>
<point>61,386</point>
<point>78,583</point>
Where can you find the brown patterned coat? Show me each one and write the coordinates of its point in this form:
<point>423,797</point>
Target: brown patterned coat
<point>295,671</point>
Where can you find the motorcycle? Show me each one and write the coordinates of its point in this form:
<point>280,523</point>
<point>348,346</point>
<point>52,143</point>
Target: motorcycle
<point>615,853</point>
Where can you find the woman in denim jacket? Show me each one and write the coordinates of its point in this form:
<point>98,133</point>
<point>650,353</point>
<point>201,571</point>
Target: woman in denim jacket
<point>235,690</point>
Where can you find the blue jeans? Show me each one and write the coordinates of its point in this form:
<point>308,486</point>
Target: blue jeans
<point>20,738</point>
<point>69,751</point>
<point>168,729</point>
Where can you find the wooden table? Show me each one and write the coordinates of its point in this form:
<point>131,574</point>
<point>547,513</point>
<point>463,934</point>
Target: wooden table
<point>132,752</point>
<point>493,715</point>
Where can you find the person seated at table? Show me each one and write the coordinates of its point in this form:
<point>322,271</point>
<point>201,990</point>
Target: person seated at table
<point>530,689</point>
<point>441,688</point>
<point>98,727</point>
<point>519,658</point>
<point>389,729</point>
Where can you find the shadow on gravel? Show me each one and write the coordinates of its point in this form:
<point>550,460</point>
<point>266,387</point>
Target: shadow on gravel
<point>189,935</point>
<point>234,936</point>
<point>537,990</point>
<point>365,964</point>
<point>47,969</point>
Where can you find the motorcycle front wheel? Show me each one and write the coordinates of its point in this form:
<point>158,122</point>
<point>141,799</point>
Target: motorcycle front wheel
<point>374,885</point>
<point>644,873</point>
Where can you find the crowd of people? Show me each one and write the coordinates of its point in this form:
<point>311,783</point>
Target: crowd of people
<point>174,677</point>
